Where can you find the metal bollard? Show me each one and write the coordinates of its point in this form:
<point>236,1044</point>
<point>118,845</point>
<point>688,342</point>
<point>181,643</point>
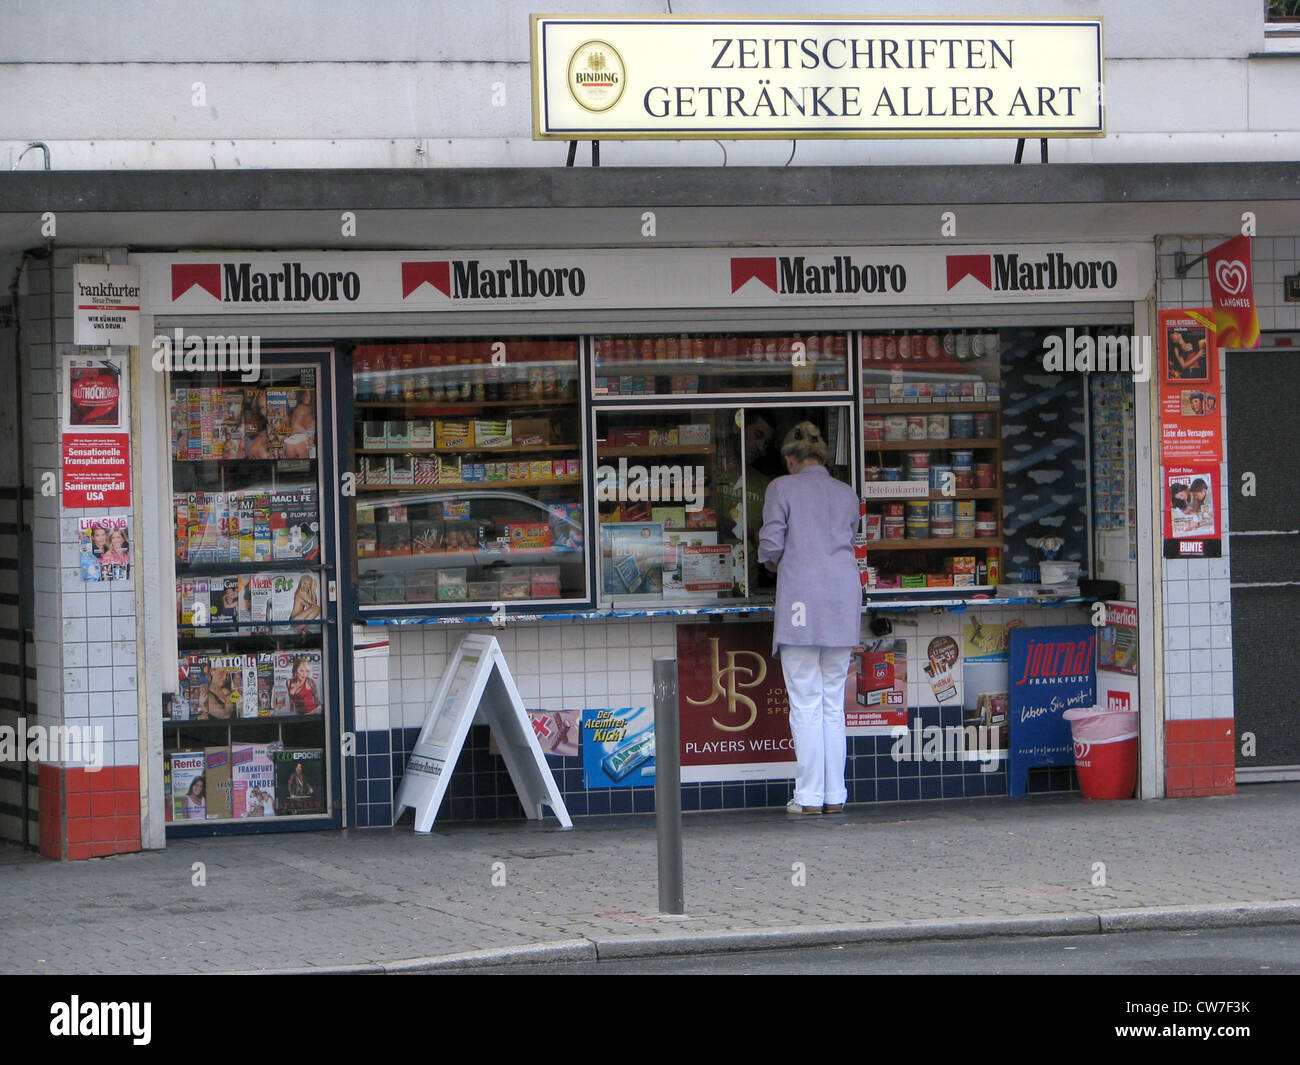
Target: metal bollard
<point>668,787</point>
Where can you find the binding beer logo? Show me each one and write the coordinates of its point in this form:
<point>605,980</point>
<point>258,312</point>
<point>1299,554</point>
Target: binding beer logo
<point>797,275</point>
<point>596,76</point>
<point>240,283</point>
<point>469,279</point>
<point>1053,272</point>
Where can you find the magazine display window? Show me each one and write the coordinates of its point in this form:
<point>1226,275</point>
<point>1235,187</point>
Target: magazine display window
<point>245,736</point>
<point>468,459</point>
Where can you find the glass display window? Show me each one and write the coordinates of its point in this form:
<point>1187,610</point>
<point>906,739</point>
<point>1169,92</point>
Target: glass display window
<point>245,734</point>
<point>469,474</point>
<point>932,458</point>
<point>679,497</point>
<point>729,363</point>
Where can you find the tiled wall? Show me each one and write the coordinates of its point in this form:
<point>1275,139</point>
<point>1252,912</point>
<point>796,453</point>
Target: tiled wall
<point>85,633</point>
<point>594,664</point>
<point>1197,592</point>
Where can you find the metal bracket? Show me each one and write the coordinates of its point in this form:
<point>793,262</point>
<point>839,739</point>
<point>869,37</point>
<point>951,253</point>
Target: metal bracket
<point>573,151</point>
<point>1183,265</point>
<point>1042,150</point>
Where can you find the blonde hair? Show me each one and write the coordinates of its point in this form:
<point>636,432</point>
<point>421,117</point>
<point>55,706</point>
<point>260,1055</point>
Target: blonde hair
<point>805,441</point>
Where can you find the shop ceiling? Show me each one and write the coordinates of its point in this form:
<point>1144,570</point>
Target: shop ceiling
<point>595,207</point>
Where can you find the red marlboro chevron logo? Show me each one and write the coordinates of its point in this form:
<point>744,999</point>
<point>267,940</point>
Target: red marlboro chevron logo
<point>980,267</point>
<point>186,275</point>
<point>438,274</point>
<point>743,270</point>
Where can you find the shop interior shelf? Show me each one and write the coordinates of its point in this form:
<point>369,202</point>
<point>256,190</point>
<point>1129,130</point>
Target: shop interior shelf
<point>712,367</point>
<point>211,569</point>
<point>459,406</point>
<point>961,493</point>
<point>929,445</point>
<point>932,542</point>
<point>485,558</point>
<point>606,451</point>
<point>955,407</point>
<point>512,450</point>
<point>472,486</point>
<point>234,722</point>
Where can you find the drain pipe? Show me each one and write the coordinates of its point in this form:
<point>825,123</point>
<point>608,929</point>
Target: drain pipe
<point>45,149</point>
<point>25,562</point>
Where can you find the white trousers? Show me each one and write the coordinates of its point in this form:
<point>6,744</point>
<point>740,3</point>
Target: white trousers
<point>815,679</point>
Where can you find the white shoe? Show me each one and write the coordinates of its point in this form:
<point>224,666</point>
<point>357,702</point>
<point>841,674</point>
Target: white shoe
<point>795,809</point>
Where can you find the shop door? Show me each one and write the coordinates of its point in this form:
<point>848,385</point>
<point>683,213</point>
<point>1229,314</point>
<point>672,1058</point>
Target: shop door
<point>249,737</point>
<point>1265,551</point>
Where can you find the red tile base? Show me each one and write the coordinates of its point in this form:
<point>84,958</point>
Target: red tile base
<point>89,815</point>
<point>1200,757</point>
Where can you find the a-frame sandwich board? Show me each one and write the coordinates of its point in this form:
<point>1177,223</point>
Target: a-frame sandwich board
<point>477,680</point>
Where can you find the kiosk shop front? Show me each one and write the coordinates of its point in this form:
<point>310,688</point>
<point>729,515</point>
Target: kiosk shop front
<point>570,449</point>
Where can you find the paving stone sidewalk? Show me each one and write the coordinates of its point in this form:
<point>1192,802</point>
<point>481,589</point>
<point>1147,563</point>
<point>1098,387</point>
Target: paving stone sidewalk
<point>375,898</point>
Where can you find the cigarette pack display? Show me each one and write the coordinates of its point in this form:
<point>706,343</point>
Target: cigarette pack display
<point>422,587</point>
<point>426,537</point>
<point>188,786</point>
<point>393,538</point>
<point>252,779</point>
<point>299,781</point>
<point>297,683</point>
<point>216,772</point>
<point>452,585</point>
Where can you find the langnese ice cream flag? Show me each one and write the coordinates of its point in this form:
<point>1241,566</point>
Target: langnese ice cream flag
<point>1232,294</point>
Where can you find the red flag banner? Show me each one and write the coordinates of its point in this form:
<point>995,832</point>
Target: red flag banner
<point>1232,293</point>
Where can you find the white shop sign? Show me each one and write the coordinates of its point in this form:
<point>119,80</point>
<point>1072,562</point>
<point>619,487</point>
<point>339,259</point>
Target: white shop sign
<point>106,305</point>
<point>673,77</point>
<point>477,680</point>
<point>432,281</point>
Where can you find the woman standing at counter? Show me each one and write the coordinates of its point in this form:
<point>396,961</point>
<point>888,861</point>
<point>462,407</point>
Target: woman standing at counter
<point>809,522</point>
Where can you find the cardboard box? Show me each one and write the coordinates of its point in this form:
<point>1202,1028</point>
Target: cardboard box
<point>629,438</point>
<point>492,434</point>
<point>453,434</point>
<point>530,432</point>
<point>529,536</point>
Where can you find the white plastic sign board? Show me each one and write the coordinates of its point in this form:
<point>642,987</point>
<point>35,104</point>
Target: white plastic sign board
<point>106,305</point>
<point>477,681</point>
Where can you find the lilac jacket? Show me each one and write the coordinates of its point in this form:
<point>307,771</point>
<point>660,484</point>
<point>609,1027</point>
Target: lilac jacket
<point>809,521</point>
